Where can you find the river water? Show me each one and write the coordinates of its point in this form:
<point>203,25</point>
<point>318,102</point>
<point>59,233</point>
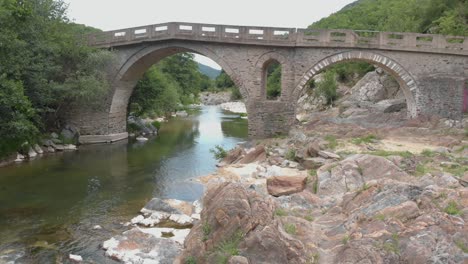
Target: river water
<point>49,206</point>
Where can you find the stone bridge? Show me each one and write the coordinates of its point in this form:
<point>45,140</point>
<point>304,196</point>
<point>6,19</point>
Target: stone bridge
<point>432,70</point>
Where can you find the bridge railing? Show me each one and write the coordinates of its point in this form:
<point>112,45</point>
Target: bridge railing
<point>279,36</point>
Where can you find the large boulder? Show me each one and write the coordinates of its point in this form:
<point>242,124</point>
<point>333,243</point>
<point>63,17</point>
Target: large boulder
<point>355,172</point>
<point>285,185</point>
<point>390,106</point>
<point>257,154</point>
<point>232,214</point>
<point>376,86</point>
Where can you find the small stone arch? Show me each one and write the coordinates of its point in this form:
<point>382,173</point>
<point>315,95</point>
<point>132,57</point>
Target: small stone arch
<point>260,68</point>
<point>407,83</point>
<point>135,66</point>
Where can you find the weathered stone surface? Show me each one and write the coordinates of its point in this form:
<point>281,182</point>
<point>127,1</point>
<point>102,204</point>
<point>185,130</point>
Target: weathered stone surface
<point>135,246</point>
<point>354,172</point>
<point>230,212</point>
<point>233,156</point>
<point>313,163</point>
<point>238,260</point>
<point>328,155</point>
<point>313,149</point>
<point>258,154</point>
<point>285,185</point>
<point>390,106</point>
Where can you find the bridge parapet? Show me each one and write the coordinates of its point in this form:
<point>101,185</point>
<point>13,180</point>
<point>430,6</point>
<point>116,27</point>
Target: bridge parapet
<point>270,36</point>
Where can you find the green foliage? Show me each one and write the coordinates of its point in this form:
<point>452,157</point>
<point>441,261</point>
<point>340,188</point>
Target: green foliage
<point>290,228</point>
<point>290,155</point>
<point>461,245</point>
<point>223,81</point>
<point>228,248</point>
<point>156,124</point>
<point>273,82</point>
<point>332,143</point>
<point>428,153</point>
<point>235,94</point>
<point>45,68</point>
<point>346,239</point>
<point>219,152</point>
<point>173,81</point>
<point>367,139</point>
<point>452,208</point>
<point>327,87</point>
<point>16,116</point>
<point>190,260</point>
<point>280,212</point>
<point>206,230</point>
<point>425,16</point>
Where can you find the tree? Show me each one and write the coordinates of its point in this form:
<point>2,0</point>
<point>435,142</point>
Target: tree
<point>16,117</point>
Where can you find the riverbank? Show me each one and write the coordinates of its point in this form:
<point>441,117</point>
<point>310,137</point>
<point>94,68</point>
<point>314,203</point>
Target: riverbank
<point>330,192</point>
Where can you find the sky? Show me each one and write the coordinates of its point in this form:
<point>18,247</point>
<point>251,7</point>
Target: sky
<point>119,14</point>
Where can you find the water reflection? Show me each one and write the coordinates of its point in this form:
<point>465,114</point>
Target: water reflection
<point>48,206</point>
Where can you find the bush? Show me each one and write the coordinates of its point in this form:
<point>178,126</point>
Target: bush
<point>327,87</point>
<point>156,124</point>
<point>235,94</point>
<point>219,152</point>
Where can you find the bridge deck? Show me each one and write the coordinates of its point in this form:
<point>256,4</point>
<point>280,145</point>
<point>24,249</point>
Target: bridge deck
<point>288,37</point>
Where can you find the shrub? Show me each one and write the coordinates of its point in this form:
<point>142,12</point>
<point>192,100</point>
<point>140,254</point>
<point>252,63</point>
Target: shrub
<point>327,87</point>
<point>156,124</point>
<point>452,208</point>
<point>219,152</point>
<point>290,229</point>
<point>332,143</point>
<point>291,155</point>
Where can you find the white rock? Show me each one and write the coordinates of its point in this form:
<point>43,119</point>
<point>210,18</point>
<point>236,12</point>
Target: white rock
<point>97,227</point>
<point>76,258</point>
<point>32,153</point>
<point>181,219</point>
<point>141,139</point>
<point>38,149</point>
<point>196,216</point>
<point>19,158</point>
<point>234,107</point>
<point>198,206</point>
<point>69,147</point>
<point>137,219</point>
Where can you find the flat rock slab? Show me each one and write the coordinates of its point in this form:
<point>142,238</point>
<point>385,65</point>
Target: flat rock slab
<point>135,246</point>
<point>285,185</point>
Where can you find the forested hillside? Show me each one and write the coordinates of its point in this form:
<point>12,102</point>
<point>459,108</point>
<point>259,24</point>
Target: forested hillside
<point>447,17</point>
<point>208,71</point>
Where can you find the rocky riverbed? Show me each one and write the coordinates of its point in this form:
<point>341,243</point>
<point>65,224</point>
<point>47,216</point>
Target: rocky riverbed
<point>318,198</point>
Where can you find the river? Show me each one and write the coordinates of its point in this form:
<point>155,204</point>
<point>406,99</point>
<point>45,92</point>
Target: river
<point>49,206</point>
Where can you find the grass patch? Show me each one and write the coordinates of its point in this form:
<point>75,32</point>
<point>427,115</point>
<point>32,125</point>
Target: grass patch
<point>452,208</point>
<point>332,142</point>
<point>206,230</point>
<point>280,212</point>
<point>428,153</point>
<point>385,153</point>
<point>380,217</point>
<point>345,239</point>
<point>421,170</point>
<point>363,188</point>
<point>290,229</point>
<point>291,155</point>
<point>393,244</point>
<point>461,245</point>
<point>228,248</point>
<point>458,171</point>
<point>190,260</point>
<point>309,218</point>
<point>367,139</point>
<point>313,259</point>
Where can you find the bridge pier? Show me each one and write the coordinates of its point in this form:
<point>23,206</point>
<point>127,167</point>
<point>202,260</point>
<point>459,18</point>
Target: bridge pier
<point>270,118</point>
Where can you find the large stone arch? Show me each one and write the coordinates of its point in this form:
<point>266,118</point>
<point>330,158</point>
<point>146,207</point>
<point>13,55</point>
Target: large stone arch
<point>135,65</point>
<point>407,82</point>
